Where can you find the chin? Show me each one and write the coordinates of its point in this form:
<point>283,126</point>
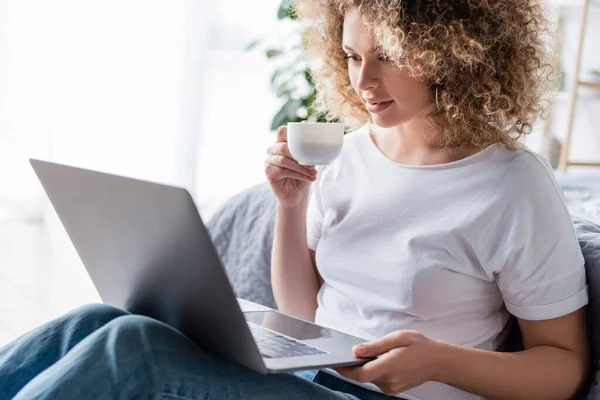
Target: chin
<point>386,121</point>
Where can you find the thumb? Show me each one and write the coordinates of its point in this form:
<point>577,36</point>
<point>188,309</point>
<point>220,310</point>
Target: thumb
<point>382,345</point>
<point>282,134</point>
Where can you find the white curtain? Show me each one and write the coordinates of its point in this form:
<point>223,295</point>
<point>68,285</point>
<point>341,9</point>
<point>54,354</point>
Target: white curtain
<point>238,105</point>
<point>156,89</point>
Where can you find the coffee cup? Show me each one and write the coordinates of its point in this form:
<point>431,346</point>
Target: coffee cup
<point>315,143</point>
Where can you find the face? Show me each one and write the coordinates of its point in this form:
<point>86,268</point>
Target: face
<point>390,95</point>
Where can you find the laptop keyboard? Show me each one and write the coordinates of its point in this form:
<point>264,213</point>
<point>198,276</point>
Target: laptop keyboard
<point>274,345</point>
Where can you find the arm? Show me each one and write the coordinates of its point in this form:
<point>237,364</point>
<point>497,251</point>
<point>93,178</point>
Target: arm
<point>294,277</point>
<point>539,272</point>
<point>553,365</point>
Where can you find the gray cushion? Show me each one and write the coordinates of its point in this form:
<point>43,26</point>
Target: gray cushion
<point>243,234</point>
<point>589,240</point>
<point>582,195</point>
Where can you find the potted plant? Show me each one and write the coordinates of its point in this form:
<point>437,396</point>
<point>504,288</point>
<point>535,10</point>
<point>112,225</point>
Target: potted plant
<point>290,80</point>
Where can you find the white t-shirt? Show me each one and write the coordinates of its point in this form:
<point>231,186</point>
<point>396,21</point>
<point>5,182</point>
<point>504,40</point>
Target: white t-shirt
<point>448,250</point>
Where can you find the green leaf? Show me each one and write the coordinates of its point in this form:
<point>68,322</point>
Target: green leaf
<point>284,9</point>
<point>287,113</point>
<point>273,53</point>
<point>285,90</point>
<point>252,44</point>
<point>280,118</point>
<point>276,74</point>
<point>309,100</point>
<point>280,73</point>
<point>283,76</point>
<point>308,77</point>
<point>282,91</point>
<point>292,106</point>
<point>292,14</point>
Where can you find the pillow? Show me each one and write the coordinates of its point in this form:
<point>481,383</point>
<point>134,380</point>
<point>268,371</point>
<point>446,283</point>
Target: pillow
<point>242,231</point>
<point>589,240</point>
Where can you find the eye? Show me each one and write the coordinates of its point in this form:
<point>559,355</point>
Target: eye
<point>385,59</point>
<point>351,58</point>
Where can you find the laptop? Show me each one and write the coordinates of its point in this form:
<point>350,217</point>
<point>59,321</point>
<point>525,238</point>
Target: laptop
<point>147,251</point>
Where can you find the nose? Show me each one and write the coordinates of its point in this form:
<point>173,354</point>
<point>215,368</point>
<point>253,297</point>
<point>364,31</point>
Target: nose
<point>368,78</point>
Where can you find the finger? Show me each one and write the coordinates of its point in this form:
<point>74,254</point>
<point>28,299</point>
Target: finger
<point>394,383</point>
<point>374,370</point>
<point>357,374</point>
<point>383,345</point>
<point>390,388</point>
<point>275,173</point>
<point>282,134</point>
<point>348,372</point>
<point>288,163</point>
<point>282,148</point>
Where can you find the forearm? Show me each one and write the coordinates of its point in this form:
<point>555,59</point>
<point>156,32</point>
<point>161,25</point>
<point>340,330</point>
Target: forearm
<point>293,277</point>
<point>543,372</point>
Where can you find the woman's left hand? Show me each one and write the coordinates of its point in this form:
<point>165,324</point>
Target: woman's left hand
<point>405,359</point>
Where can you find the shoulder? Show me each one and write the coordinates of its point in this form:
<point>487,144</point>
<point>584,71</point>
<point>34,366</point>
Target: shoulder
<point>532,202</point>
<point>530,176</point>
<point>520,196</point>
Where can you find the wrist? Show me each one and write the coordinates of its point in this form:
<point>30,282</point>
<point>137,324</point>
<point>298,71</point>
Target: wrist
<point>444,361</point>
<point>299,205</point>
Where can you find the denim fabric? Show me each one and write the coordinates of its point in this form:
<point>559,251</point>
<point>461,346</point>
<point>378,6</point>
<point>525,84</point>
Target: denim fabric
<point>334,383</point>
<point>329,381</point>
<point>100,352</point>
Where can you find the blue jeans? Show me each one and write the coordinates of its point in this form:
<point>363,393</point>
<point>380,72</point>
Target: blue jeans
<point>101,352</point>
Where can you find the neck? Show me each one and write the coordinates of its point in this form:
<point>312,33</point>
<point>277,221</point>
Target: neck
<point>411,136</point>
<point>409,143</point>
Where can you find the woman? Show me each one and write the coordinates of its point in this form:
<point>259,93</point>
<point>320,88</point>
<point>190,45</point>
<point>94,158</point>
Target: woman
<point>430,230</point>
<point>434,225</point>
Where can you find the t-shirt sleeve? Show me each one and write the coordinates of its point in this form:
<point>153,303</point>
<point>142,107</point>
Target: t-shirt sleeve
<point>314,216</point>
<point>543,273</point>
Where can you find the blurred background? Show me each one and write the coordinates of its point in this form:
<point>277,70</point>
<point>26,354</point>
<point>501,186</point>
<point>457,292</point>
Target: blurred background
<point>184,92</point>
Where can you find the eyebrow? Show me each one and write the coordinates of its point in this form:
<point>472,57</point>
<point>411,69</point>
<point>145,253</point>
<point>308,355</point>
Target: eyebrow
<point>372,50</point>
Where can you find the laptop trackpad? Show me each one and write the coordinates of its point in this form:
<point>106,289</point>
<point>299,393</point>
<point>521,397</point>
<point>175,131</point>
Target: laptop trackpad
<point>288,326</point>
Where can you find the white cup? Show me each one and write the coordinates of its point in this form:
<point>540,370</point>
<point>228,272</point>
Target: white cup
<point>315,143</point>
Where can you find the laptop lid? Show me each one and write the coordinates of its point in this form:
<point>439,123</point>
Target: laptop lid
<point>147,251</point>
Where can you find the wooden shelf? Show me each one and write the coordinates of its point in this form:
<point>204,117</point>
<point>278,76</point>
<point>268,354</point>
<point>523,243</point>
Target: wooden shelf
<point>583,164</point>
<point>563,3</point>
<point>593,85</point>
<point>565,162</point>
<point>569,3</point>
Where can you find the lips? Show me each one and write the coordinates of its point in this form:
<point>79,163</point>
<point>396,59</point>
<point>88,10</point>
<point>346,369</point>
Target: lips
<point>377,105</point>
<point>376,101</point>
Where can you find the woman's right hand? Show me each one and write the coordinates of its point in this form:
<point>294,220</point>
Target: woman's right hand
<point>289,180</point>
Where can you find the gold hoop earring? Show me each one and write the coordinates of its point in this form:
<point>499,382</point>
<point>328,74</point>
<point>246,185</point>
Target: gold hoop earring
<point>436,98</point>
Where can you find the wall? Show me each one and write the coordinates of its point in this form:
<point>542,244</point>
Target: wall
<point>585,145</point>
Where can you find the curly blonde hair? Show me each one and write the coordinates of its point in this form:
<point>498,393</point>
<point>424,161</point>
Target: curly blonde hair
<point>487,59</point>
